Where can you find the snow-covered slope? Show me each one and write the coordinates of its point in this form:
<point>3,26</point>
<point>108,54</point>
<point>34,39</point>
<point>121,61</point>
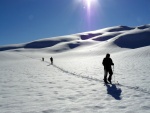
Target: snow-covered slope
<point>75,82</point>
<point>123,36</point>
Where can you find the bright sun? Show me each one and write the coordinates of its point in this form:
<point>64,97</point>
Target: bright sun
<point>89,3</point>
<point>90,6</point>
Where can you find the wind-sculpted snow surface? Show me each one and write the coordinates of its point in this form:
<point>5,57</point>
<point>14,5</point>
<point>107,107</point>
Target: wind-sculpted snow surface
<point>117,28</point>
<point>74,83</point>
<point>43,43</point>
<point>49,42</point>
<point>134,39</point>
<point>122,36</point>
<point>106,36</point>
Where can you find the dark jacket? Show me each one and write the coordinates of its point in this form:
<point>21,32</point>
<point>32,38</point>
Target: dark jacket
<point>107,62</point>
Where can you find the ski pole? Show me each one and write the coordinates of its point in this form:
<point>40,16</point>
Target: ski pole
<point>113,72</point>
<point>114,77</point>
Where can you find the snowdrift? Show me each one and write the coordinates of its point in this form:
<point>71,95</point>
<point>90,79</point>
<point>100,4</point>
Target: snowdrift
<point>74,83</point>
<point>121,36</point>
<point>134,39</point>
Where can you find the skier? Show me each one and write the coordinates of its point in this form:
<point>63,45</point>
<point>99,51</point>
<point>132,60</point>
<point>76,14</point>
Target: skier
<point>51,59</point>
<point>42,59</point>
<point>107,63</point>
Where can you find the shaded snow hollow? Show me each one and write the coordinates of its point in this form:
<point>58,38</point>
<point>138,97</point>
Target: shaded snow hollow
<point>74,84</point>
<point>123,36</point>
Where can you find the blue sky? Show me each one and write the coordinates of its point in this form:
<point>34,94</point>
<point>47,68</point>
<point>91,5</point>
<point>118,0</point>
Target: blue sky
<point>23,21</point>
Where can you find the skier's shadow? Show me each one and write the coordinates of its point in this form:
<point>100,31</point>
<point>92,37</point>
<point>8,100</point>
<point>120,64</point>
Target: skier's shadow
<point>114,91</point>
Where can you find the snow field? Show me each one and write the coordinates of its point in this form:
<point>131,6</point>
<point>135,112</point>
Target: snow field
<point>74,84</point>
<point>30,85</point>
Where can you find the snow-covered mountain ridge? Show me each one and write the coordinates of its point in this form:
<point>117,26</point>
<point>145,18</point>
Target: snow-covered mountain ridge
<point>123,36</point>
<point>74,83</point>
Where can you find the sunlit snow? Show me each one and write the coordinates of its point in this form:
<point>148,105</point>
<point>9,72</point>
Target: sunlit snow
<point>74,84</point>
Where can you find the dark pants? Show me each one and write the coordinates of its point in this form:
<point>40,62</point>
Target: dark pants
<point>106,73</point>
<point>51,62</point>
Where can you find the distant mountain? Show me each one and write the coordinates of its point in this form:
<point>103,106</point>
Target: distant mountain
<point>121,36</point>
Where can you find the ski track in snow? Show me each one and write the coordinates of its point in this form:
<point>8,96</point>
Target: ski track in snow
<point>61,90</point>
<point>136,88</point>
<point>74,84</point>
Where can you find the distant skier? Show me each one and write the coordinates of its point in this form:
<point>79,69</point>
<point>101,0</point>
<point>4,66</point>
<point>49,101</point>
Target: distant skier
<point>51,59</point>
<point>107,63</point>
<point>42,59</point>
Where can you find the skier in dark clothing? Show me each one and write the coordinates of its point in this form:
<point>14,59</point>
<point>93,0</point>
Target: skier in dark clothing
<point>51,59</point>
<point>107,63</point>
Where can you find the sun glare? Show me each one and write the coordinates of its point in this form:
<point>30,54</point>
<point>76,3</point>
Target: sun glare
<point>90,9</point>
<point>90,3</point>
